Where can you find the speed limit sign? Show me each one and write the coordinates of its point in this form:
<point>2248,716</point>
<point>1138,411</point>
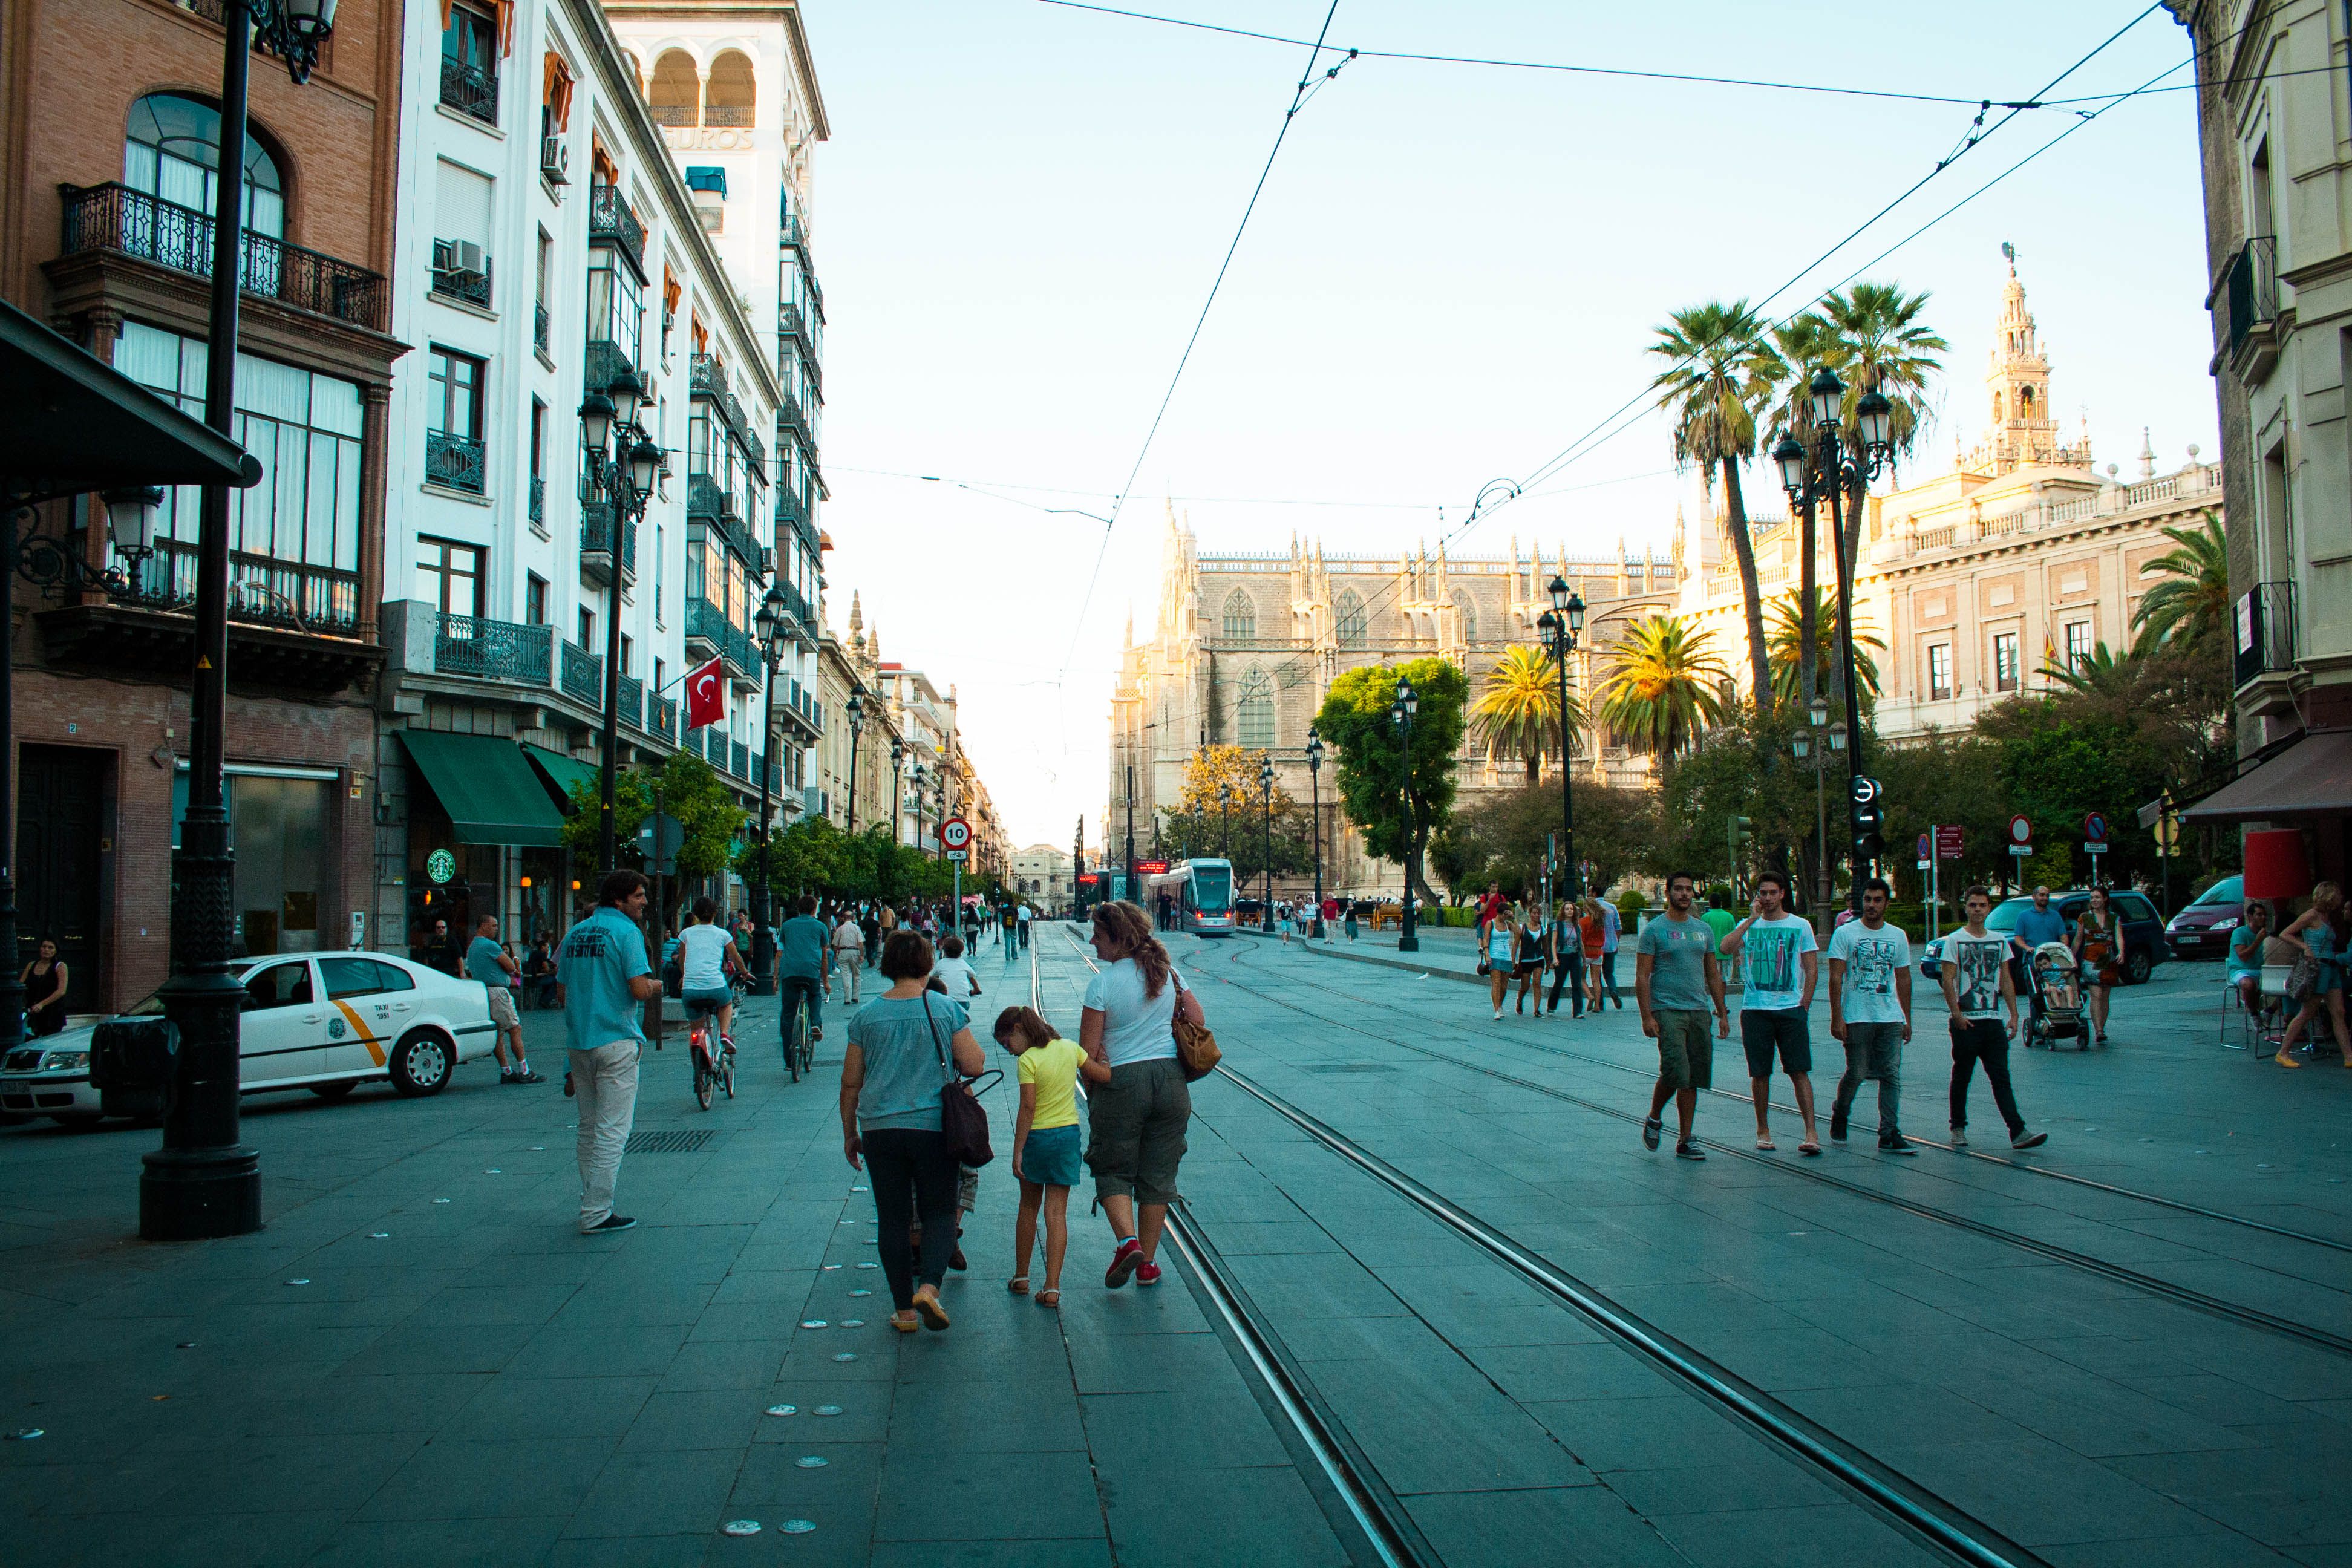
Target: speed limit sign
<point>955,833</point>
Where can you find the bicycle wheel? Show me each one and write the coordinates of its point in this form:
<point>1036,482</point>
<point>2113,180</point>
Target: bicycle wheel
<point>808,1043</point>
<point>703,1078</point>
<point>727,1072</point>
<point>796,1039</point>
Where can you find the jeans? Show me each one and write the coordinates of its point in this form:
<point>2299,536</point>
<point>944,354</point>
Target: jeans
<point>1571,975</point>
<point>909,1170</point>
<point>1608,978</point>
<point>788,991</point>
<point>1024,936</point>
<point>605,1082</point>
<point>1873,1051</point>
<point>1982,1040</point>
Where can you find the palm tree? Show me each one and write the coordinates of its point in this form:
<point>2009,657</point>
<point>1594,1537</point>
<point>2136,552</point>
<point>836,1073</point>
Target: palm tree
<point>1787,645</point>
<point>1881,347</point>
<point>1519,713</point>
<point>1721,372</point>
<point>1802,342</point>
<point>2110,675</point>
<point>2191,608</point>
<point>1663,685</point>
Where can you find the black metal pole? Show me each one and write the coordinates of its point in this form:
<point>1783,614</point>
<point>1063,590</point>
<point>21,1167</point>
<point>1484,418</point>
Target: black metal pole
<point>1562,648</point>
<point>11,989</point>
<point>1131,889</point>
<point>854,733</point>
<point>204,1182</point>
<point>1315,827</point>
<point>762,909</point>
<point>1267,791</point>
<point>609,850</point>
<point>1406,940</point>
<point>1835,470</point>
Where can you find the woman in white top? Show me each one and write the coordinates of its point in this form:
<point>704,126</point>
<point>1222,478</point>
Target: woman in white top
<point>707,955</point>
<point>1137,1121</point>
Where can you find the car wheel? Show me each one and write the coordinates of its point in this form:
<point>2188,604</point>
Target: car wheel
<point>420,1063</point>
<point>334,1091</point>
<point>2138,967</point>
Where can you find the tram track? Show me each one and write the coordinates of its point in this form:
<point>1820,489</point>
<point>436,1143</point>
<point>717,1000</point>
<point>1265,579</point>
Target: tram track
<point>2188,1296</point>
<point>1917,1511</point>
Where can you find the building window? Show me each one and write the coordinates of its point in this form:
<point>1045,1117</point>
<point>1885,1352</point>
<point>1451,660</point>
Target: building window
<point>1940,671</point>
<point>587,626</point>
<point>172,151</point>
<point>2078,644</point>
<point>538,465</point>
<point>661,549</point>
<point>676,90</point>
<point>1241,617</point>
<point>470,64</point>
<point>540,319</point>
<point>295,537</point>
<point>1466,612</point>
<point>731,96</point>
<point>1348,619</point>
<point>616,309</point>
<point>449,575</point>
<point>2004,662</point>
<point>453,421</point>
<point>534,599</point>
<point>1253,713</point>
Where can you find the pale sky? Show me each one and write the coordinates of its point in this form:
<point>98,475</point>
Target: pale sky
<point>1453,274</point>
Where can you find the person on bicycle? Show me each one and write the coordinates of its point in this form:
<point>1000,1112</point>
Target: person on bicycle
<point>800,967</point>
<point>708,958</point>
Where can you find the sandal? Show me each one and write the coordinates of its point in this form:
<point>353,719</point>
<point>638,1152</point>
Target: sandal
<point>1764,1141</point>
<point>906,1322</point>
<point>1809,1147</point>
<point>934,1316</point>
<point>1018,1284</point>
<point>1049,1297</point>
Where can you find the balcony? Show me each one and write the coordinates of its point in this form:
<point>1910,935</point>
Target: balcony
<point>706,623</point>
<point>470,90</point>
<point>581,676</point>
<point>114,217</point>
<point>453,461</point>
<point>539,324</point>
<point>738,759</point>
<point>663,718</point>
<point>632,703</point>
<point>492,650</point>
<point>706,377</point>
<point>804,330</point>
<point>610,221</point>
<point>452,282</point>
<point>792,417</point>
<point>596,545</point>
<point>2250,291</point>
<point>2263,643</point>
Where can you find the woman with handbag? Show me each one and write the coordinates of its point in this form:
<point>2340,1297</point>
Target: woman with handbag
<point>2099,947</point>
<point>1497,950</point>
<point>1137,1121</point>
<point>2317,982</point>
<point>895,1082</point>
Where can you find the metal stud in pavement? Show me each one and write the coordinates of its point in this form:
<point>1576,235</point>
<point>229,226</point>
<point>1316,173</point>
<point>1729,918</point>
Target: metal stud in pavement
<point>26,1434</point>
<point>783,1409</point>
<point>298,1281</point>
<point>809,1462</point>
<point>846,1355</point>
<point>739,1527</point>
<point>811,1322</point>
<point>827,1410</point>
<point>861,1292</point>
<point>853,1322</point>
<point>797,1526</point>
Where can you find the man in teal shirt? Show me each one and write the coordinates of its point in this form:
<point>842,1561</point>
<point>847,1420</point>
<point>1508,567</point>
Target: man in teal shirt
<point>603,982</point>
<point>801,952</point>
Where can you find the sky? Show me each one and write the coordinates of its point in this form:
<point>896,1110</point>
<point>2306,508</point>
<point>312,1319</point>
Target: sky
<point>1452,276</point>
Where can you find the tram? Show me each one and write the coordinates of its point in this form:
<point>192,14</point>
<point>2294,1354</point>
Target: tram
<point>1203,892</point>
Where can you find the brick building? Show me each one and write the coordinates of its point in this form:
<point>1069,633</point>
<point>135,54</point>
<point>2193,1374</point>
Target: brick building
<point>108,131</point>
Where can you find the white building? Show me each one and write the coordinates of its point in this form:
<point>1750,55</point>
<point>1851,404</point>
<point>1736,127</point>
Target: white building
<point>1040,874</point>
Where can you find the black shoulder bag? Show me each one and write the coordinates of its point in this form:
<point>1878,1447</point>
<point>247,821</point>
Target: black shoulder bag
<point>962,1119</point>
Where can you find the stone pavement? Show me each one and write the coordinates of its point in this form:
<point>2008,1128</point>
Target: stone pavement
<point>462,1378</point>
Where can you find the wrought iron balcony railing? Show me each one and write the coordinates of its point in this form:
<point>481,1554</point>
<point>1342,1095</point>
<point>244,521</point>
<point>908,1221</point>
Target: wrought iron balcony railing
<point>720,116</point>
<point>596,540</point>
<point>582,676</point>
<point>470,90</point>
<point>115,217</point>
<point>492,650</point>
<point>663,718</point>
<point>2250,288</point>
<point>610,221</point>
<point>708,624</point>
<point>474,288</point>
<point>538,501</point>
<point>632,703</point>
<point>263,590</point>
<point>2262,631</point>
<point>453,460</point>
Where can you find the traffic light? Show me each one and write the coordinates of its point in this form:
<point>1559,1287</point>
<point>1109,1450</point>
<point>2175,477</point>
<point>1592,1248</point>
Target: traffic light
<point>1869,823</point>
<point>1742,832</point>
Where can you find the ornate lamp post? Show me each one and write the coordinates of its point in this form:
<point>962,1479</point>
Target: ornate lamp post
<point>1807,747</point>
<point>768,625</point>
<point>897,787</point>
<point>856,729</point>
<point>204,1182</point>
<point>1561,626</point>
<point>1314,818</point>
<point>625,476</point>
<point>1820,466</point>
<point>1225,819</point>
<point>1266,796</point>
<point>1401,713</point>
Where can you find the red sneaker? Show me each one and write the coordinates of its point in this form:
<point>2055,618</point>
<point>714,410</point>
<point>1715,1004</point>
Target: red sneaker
<point>1123,1263</point>
<point>1146,1274</point>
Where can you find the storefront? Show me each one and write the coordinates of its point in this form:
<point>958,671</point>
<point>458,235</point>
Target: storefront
<point>485,838</point>
<point>282,823</point>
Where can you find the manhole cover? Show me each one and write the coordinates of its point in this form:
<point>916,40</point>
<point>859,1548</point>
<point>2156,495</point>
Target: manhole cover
<point>681,1140</point>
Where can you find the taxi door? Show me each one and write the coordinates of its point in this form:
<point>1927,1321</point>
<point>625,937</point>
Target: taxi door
<point>366,1016</point>
<point>283,1031</point>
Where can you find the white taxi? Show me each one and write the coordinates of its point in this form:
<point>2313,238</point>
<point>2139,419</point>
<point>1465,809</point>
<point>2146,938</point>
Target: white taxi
<point>326,1022</point>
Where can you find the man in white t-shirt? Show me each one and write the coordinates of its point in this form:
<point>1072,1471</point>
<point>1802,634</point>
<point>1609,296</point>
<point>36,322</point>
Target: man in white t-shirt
<point>849,950</point>
<point>1783,962</point>
<point>1870,1010</point>
<point>1976,984</point>
<point>1026,915</point>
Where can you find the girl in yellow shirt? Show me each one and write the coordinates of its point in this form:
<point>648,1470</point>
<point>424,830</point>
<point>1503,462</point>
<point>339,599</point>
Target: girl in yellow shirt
<point>1046,1155</point>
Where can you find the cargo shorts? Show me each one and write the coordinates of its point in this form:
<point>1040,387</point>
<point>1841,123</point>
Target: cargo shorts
<point>1136,1126</point>
<point>1685,1048</point>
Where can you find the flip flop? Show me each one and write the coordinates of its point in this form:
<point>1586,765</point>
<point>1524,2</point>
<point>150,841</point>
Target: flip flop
<point>1049,1297</point>
<point>1809,1147</point>
<point>1018,1284</point>
<point>934,1316</point>
<point>904,1325</point>
<point>1766,1144</point>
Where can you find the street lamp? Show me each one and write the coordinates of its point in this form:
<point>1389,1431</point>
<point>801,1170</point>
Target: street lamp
<point>625,477</point>
<point>1401,713</point>
<point>1266,796</point>
<point>204,1182</point>
<point>1225,817</point>
<point>857,728</point>
<point>1314,818</point>
<point>768,625</point>
<point>1817,714</point>
<point>898,788</point>
<point>1562,625</point>
<point>1820,466</point>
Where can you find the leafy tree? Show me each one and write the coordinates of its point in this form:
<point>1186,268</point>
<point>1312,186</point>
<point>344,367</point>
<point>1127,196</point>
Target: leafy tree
<point>1949,780</point>
<point>810,855</point>
<point>1803,342</point>
<point>2188,609</point>
<point>1506,837</point>
<point>1740,768</point>
<point>1786,642</point>
<point>1721,373</point>
<point>1661,687</point>
<point>686,788</point>
<point>1881,347</point>
<point>1519,713</point>
<point>1374,765</point>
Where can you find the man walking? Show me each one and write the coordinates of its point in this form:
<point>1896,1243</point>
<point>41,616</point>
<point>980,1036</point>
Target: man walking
<point>1870,1010</point>
<point>1026,915</point>
<point>800,967</point>
<point>602,983</point>
<point>869,924</point>
<point>1675,976</point>
<point>1611,926</point>
<point>486,962</point>
<point>848,949</point>
<point>1783,963</point>
<point>1976,984</point>
<point>2035,925</point>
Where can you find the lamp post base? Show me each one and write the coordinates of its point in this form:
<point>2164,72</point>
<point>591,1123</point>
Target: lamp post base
<point>1407,945</point>
<point>199,1195</point>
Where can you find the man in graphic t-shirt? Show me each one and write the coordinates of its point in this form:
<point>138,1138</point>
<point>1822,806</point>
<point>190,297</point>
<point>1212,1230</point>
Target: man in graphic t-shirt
<point>1870,1010</point>
<point>1782,962</point>
<point>1977,986</point>
<point>1675,979</point>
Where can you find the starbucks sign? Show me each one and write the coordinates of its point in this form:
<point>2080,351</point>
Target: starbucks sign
<point>440,864</point>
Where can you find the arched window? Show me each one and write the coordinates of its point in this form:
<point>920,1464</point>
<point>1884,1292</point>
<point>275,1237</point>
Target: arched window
<point>1241,617</point>
<point>730,97</point>
<point>172,151</point>
<point>637,70</point>
<point>677,95</point>
<point>1254,714</point>
<point>1466,612</point>
<point>1348,619</point>
<point>2025,403</point>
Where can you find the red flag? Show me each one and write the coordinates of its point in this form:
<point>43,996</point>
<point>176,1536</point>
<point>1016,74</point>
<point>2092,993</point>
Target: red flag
<point>706,696</point>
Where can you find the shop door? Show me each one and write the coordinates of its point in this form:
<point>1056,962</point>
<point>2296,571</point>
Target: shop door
<point>60,818</point>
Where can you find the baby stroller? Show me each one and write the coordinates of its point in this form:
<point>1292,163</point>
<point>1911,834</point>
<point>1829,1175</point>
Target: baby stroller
<point>2057,998</point>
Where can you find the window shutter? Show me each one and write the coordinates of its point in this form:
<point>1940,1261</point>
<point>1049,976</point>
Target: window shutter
<point>461,208</point>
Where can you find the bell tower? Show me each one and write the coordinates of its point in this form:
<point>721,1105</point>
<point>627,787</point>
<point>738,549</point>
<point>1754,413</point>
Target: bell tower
<point>2019,428</point>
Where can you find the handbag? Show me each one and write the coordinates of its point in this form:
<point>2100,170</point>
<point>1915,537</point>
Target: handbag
<point>2303,980</point>
<point>1196,1048</point>
<point>964,1122</point>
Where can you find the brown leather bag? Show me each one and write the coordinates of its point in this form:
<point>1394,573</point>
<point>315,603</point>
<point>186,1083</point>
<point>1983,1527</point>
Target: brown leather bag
<point>1196,1048</point>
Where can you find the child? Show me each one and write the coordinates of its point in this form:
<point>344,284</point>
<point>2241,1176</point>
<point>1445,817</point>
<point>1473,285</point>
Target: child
<point>1044,1140</point>
<point>954,970</point>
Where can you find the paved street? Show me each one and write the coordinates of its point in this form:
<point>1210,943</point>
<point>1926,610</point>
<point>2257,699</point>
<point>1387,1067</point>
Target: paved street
<point>419,1361</point>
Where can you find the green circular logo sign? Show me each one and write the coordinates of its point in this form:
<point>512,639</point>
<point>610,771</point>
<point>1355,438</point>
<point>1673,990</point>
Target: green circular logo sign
<point>440,864</point>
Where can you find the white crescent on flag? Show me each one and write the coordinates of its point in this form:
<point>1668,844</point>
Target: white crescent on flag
<point>706,696</point>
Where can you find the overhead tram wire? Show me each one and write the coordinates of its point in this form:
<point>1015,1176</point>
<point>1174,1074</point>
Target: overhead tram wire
<point>1298,97</point>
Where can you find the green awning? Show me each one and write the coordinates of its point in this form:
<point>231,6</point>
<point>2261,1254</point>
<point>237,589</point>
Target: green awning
<point>488,791</point>
<point>563,771</point>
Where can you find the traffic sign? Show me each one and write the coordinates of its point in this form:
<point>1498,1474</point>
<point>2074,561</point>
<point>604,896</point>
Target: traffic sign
<point>955,833</point>
<point>2020,829</point>
<point>1952,841</point>
<point>1863,789</point>
<point>2096,847</point>
<point>2094,826</point>
<point>1923,851</point>
<point>959,854</point>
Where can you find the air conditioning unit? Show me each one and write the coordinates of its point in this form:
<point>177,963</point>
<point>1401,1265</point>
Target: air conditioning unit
<point>467,259</point>
<point>555,160</point>
<point>727,508</point>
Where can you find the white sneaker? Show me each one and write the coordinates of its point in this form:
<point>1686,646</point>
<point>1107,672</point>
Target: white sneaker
<point>1499,1013</point>
<point>1959,1138</point>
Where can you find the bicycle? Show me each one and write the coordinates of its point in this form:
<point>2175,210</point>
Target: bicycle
<point>713,1069</point>
<point>799,1033</point>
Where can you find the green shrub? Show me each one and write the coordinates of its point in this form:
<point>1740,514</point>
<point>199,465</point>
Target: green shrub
<point>1630,905</point>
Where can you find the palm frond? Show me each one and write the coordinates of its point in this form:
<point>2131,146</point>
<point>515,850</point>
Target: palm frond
<point>1663,685</point>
